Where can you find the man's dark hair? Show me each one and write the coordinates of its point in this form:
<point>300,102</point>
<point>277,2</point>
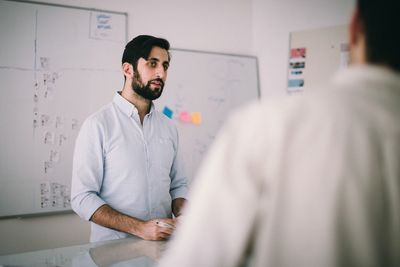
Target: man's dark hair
<point>380,22</point>
<point>140,47</point>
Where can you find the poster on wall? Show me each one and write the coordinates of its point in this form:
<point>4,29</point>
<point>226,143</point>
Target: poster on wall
<point>297,65</point>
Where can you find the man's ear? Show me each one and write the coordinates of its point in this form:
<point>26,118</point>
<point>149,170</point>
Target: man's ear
<point>357,39</point>
<point>356,32</point>
<point>127,69</point>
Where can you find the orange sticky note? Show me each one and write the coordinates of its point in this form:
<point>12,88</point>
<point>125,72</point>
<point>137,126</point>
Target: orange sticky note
<point>184,116</point>
<point>196,118</point>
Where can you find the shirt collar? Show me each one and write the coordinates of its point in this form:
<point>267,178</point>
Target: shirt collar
<point>370,75</point>
<point>128,108</point>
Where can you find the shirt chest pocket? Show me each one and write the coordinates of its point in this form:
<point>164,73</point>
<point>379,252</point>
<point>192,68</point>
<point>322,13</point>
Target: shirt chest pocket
<point>163,153</point>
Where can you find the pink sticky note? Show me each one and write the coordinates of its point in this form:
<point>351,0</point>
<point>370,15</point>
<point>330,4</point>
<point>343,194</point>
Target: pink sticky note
<point>184,116</point>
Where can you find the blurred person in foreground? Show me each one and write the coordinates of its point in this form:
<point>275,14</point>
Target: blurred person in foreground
<point>311,180</point>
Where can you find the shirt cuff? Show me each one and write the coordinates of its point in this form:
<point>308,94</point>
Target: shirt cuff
<point>179,193</point>
<point>89,205</point>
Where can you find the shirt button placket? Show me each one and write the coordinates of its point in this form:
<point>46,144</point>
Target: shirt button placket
<point>145,135</point>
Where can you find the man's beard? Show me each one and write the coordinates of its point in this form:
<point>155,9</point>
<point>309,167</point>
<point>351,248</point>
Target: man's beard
<point>144,90</point>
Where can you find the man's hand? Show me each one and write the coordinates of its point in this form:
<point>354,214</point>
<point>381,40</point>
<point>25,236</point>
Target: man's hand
<point>156,229</point>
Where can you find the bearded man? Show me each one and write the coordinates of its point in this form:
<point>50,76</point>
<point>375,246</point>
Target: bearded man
<point>127,176</point>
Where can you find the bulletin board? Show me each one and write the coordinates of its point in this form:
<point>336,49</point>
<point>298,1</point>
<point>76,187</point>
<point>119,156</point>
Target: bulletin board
<point>58,64</point>
<point>202,89</point>
<point>315,55</point>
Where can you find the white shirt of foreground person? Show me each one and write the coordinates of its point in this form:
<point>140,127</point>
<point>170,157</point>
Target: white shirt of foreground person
<point>309,181</point>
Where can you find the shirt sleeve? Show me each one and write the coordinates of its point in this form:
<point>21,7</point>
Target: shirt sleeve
<point>87,169</point>
<point>221,211</point>
<point>179,180</point>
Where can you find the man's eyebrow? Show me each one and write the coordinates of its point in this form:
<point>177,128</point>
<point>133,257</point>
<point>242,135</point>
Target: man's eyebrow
<point>153,58</point>
<point>158,60</point>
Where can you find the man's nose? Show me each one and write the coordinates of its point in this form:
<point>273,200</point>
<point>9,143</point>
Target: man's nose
<point>160,73</point>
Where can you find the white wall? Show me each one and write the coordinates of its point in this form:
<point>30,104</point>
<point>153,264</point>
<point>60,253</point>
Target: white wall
<point>254,27</point>
<point>273,20</point>
<point>211,25</point>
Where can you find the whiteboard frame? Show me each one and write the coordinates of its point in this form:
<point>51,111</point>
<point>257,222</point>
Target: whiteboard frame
<point>195,143</point>
<point>66,211</point>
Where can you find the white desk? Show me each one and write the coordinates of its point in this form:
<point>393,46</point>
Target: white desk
<point>123,252</point>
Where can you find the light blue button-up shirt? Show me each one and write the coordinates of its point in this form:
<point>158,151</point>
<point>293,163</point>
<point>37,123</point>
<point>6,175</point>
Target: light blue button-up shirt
<point>134,168</point>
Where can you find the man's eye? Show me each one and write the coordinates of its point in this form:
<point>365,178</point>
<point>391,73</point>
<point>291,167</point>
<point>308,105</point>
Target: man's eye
<point>166,66</point>
<point>153,64</point>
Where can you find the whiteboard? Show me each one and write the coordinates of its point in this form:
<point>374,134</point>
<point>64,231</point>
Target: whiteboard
<point>205,86</point>
<point>58,64</point>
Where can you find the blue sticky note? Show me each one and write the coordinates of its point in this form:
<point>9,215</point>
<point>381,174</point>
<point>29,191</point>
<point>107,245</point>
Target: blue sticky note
<point>296,83</point>
<point>168,112</point>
